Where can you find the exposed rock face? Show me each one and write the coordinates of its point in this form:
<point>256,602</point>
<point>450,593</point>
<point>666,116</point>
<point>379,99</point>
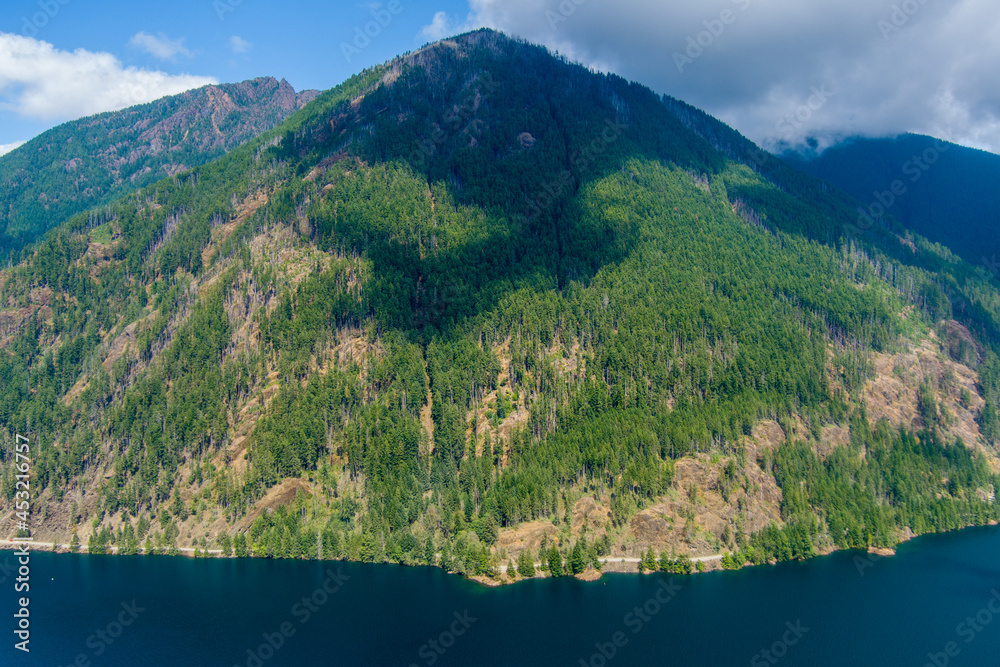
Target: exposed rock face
<point>211,119</point>
<point>753,503</point>
<point>525,536</point>
<point>893,394</point>
<point>691,521</point>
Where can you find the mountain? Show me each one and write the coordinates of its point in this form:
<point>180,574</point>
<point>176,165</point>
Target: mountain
<point>942,191</point>
<point>88,162</point>
<point>480,305</point>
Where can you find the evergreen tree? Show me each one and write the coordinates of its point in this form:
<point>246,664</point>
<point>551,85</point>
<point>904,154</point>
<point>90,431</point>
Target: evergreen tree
<point>648,561</point>
<point>555,562</point>
<point>578,561</point>
<point>226,545</point>
<point>665,563</point>
<point>445,561</point>
<point>240,545</point>
<point>429,555</point>
<point>526,563</point>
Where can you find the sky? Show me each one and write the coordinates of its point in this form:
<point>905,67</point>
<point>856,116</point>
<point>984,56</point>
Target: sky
<point>786,73</point>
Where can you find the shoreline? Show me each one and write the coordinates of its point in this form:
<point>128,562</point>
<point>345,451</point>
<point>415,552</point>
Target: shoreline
<point>590,574</point>
<point>55,547</point>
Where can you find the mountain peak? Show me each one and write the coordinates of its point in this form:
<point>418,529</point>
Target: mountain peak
<point>471,295</point>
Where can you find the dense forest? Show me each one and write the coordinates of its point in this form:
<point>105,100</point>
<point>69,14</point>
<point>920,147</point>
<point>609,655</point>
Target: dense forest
<point>459,295</point>
<point>93,161</point>
<point>937,192</point>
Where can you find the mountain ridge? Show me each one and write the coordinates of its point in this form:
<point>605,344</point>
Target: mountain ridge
<point>447,314</point>
<point>87,162</point>
<point>923,182</point>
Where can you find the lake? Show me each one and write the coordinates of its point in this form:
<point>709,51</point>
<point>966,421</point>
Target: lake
<point>936,603</point>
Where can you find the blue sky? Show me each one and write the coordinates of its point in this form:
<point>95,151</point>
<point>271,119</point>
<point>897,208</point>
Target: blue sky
<point>783,72</point>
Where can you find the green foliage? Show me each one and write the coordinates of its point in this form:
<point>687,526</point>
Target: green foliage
<point>681,565</point>
<point>115,153</point>
<point>648,561</point>
<point>451,338</point>
<point>240,545</point>
<point>555,562</point>
<point>933,171</point>
<point>578,560</point>
<point>902,480</point>
<point>526,563</point>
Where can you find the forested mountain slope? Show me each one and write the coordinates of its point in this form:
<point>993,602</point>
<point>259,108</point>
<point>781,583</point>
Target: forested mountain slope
<point>945,192</point>
<point>89,162</point>
<point>481,304</point>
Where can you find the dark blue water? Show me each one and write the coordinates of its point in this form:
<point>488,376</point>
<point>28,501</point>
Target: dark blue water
<point>933,599</point>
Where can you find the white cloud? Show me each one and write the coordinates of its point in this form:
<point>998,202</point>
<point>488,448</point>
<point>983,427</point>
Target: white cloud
<point>6,148</point>
<point>160,46</point>
<point>439,27</point>
<point>39,81</point>
<point>913,65</point>
<point>442,25</point>
<point>238,44</point>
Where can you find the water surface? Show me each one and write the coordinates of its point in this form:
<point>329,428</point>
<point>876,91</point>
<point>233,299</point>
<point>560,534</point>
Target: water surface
<point>844,609</point>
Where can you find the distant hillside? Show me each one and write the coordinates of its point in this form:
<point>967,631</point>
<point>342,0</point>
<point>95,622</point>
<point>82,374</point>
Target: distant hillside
<point>950,194</point>
<point>90,161</point>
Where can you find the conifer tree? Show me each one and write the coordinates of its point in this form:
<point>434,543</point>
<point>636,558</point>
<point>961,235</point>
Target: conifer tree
<point>555,562</point>
<point>526,563</point>
<point>578,562</point>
